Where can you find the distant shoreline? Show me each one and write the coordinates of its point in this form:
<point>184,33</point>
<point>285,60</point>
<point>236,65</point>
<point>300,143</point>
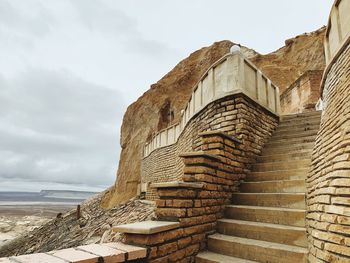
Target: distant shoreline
<point>39,203</point>
<point>48,210</point>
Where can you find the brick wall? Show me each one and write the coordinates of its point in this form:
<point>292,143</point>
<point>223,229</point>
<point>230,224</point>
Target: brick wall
<point>236,115</point>
<point>303,94</point>
<point>217,166</point>
<point>328,184</point>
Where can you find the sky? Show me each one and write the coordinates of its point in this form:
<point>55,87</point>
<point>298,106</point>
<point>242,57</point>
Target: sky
<point>70,68</point>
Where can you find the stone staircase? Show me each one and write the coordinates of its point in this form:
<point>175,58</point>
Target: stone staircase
<point>266,222</point>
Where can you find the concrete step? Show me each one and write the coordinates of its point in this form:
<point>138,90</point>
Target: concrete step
<point>300,121</point>
<point>296,132</point>
<point>301,115</point>
<point>273,215</point>
<point>305,154</point>
<point>285,148</point>
<point>211,257</point>
<point>280,166</point>
<point>293,135</point>
<point>296,201</point>
<point>261,251</point>
<point>298,126</point>
<point>278,186</point>
<point>288,142</point>
<point>289,235</point>
<point>291,174</point>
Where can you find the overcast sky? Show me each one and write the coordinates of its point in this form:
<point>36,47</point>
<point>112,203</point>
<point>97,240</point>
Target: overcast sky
<point>69,68</point>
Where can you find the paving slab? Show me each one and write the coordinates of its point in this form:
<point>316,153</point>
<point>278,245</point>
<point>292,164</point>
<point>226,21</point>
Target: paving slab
<point>146,227</point>
<point>133,252</point>
<point>75,256</point>
<point>109,254</point>
<point>37,258</point>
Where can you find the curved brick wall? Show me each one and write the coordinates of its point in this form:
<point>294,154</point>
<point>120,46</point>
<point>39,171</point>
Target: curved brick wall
<point>236,115</point>
<point>328,183</point>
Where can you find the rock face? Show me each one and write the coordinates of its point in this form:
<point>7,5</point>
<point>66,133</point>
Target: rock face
<point>161,105</point>
<point>300,54</point>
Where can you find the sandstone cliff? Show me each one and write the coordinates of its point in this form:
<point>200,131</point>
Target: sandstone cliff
<point>300,54</point>
<point>161,105</point>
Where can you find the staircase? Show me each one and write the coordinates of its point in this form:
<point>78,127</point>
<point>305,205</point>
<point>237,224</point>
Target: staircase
<point>266,222</point>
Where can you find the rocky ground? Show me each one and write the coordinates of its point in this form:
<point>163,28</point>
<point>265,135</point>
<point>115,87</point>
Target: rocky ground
<point>15,220</point>
<point>14,226</point>
<point>66,230</point>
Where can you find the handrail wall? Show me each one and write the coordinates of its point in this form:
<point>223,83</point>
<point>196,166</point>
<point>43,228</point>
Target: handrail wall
<point>231,74</point>
<point>337,34</point>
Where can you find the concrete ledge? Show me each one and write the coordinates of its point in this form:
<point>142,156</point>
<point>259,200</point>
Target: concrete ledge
<point>35,258</point>
<point>109,254</point>
<point>177,184</point>
<point>93,253</point>
<point>221,134</point>
<point>146,227</point>
<point>73,255</point>
<point>133,252</point>
<point>199,154</point>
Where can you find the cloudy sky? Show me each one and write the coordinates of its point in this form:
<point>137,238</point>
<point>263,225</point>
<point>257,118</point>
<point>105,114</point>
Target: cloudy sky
<point>69,68</point>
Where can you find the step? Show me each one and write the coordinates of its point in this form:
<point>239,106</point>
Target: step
<point>284,200</point>
<point>287,149</point>
<point>300,121</point>
<point>298,126</point>
<point>301,115</point>
<point>313,130</point>
<point>278,186</point>
<point>211,257</point>
<point>273,215</point>
<point>297,140</point>
<point>291,174</point>
<point>288,235</point>
<point>293,135</point>
<point>305,154</point>
<point>261,251</point>
<point>280,166</point>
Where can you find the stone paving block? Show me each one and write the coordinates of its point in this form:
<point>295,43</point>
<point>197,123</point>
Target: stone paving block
<point>146,227</point>
<point>75,256</point>
<point>133,252</point>
<point>37,258</point>
<point>109,254</point>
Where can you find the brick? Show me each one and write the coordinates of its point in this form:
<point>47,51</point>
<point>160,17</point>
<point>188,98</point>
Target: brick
<point>177,255</point>
<point>170,212</point>
<point>184,242</point>
<point>191,250</point>
<point>167,248</point>
<point>176,193</point>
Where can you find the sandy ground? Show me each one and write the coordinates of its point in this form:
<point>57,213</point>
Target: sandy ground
<point>18,219</point>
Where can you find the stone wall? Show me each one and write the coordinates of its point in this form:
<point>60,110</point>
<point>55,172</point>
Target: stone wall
<point>328,184</point>
<point>303,94</point>
<point>211,174</point>
<point>236,115</point>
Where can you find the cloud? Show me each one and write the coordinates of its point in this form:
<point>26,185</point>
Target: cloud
<point>105,17</point>
<point>20,24</point>
<point>57,127</point>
